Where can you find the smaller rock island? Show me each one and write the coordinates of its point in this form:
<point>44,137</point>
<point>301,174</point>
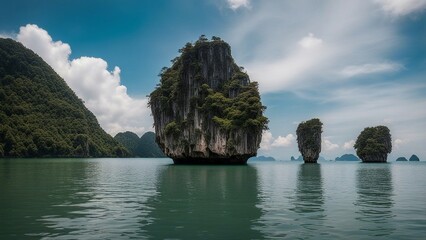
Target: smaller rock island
<point>374,144</point>
<point>401,159</point>
<point>309,139</point>
<point>414,158</point>
<point>206,110</point>
<point>347,157</point>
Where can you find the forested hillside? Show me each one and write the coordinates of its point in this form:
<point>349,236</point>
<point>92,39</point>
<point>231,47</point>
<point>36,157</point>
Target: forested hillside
<point>40,116</point>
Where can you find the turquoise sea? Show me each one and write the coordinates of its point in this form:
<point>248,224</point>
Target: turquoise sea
<point>153,199</point>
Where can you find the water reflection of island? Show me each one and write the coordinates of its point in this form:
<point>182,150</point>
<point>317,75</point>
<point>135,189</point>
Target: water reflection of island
<point>375,191</point>
<point>309,192</point>
<point>309,199</point>
<point>205,202</point>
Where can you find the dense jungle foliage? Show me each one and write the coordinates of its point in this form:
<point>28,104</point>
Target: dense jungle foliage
<point>40,116</point>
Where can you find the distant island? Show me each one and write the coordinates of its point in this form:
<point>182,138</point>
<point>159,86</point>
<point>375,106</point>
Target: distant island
<point>413,158</point>
<point>206,109</point>
<point>144,147</point>
<point>347,157</point>
<point>41,116</point>
<point>262,159</point>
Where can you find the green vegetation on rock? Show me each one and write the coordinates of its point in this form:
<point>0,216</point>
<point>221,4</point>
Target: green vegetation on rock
<point>129,140</point>
<point>374,144</point>
<point>40,115</point>
<point>309,139</point>
<point>205,106</point>
<point>232,104</point>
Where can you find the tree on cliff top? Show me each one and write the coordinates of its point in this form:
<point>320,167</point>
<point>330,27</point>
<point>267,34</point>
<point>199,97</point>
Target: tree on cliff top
<point>373,141</point>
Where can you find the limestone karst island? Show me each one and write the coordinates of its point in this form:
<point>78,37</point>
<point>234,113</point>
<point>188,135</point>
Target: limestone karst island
<point>206,109</point>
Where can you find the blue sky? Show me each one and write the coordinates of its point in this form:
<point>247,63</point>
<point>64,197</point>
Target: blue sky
<point>353,64</point>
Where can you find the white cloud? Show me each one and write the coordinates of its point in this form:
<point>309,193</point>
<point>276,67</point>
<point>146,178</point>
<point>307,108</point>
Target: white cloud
<point>349,145</point>
<point>283,141</point>
<point>235,4</point>
<point>270,46</point>
<point>398,143</point>
<point>402,7</point>
<point>354,70</point>
<point>268,141</point>
<point>90,79</point>
<point>310,41</point>
<point>329,146</point>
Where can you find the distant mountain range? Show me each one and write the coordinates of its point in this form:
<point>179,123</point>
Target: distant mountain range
<point>262,159</point>
<point>144,147</point>
<point>344,157</point>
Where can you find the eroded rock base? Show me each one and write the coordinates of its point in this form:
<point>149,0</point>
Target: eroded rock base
<point>378,158</point>
<point>240,160</point>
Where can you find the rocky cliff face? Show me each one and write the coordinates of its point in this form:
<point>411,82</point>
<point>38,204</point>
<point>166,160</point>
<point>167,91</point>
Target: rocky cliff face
<point>309,139</point>
<point>205,108</point>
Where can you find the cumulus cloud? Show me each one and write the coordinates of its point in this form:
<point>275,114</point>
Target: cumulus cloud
<point>283,141</point>
<point>351,71</point>
<point>349,145</point>
<point>310,41</point>
<point>269,142</point>
<point>267,139</point>
<point>91,80</point>
<point>402,7</point>
<point>235,4</point>
<point>329,146</point>
<point>397,143</point>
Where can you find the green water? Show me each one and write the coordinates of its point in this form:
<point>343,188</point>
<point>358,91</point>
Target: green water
<point>152,199</point>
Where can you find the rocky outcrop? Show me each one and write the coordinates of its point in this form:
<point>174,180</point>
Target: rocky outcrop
<point>401,159</point>
<point>205,108</point>
<point>414,158</point>
<point>309,139</point>
<point>374,144</point>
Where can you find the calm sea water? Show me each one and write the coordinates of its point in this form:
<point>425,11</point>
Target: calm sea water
<point>152,199</point>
